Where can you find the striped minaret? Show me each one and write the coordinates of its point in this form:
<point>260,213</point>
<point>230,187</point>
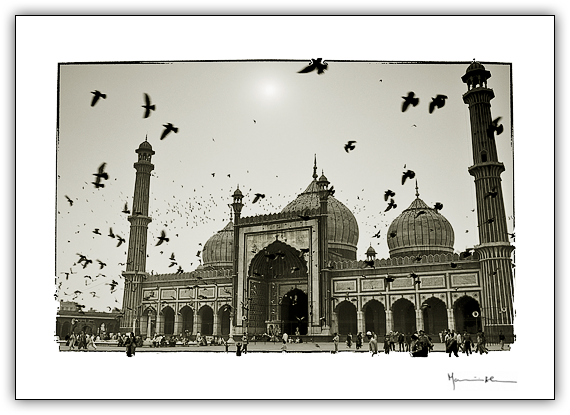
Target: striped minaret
<point>494,249</point>
<point>136,255</point>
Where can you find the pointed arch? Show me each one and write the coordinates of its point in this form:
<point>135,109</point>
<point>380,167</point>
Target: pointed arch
<point>463,309</point>
<point>434,313</point>
<point>375,317</point>
<point>346,317</point>
<point>404,316</point>
<point>206,320</point>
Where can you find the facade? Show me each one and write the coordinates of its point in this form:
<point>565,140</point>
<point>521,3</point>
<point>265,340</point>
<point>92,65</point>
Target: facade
<point>296,271</point>
<point>70,320</point>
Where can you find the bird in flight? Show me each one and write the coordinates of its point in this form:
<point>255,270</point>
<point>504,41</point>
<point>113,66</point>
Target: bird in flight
<point>304,217</point>
<point>409,100</point>
<point>389,279</point>
<point>167,129</point>
<point>438,206</point>
<point>388,193</point>
<point>147,106</point>
<point>96,231</point>
<point>369,263</point>
<point>490,220</point>
<point>349,146</point>
<point>438,101</point>
<point>97,95</point>
<point>453,265</point>
<point>111,234</point>
<point>466,253</point>
<point>408,174</point>
<point>69,200</point>
<point>179,270</point>
<point>331,191</point>
<point>101,264</point>
<point>376,235</point>
<point>101,174</point>
<point>121,240</point>
<point>393,234</point>
<point>391,205</point>
<point>162,238</point>
<point>126,209</point>
<point>258,196</point>
<point>495,127</point>
<point>318,64</point>
<point>421,212</point>
<point>492,193</point>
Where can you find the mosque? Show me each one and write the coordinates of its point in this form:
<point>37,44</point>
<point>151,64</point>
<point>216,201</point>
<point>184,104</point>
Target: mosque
<point>297,271</point>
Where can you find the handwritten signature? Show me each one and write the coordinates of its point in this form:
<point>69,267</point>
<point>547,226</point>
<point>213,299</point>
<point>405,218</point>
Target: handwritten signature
<point>486,379</point>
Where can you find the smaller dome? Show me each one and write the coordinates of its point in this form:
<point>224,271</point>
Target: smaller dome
<point>218,251</point>
<point>370,251</point>
<point>474,66</point>
<point>145,145</point>
<point>238,192</point>
<point>323,178</point>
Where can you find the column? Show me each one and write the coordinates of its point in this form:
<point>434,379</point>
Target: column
<point>389,321</point>
<point>149,326</point>
<point>176,323</point>
<point>450,319</point>
<point>215,327</point>
<point>419,319</point>
<point>195,324</point>
<point>231,337</point>
<point>360,321</point>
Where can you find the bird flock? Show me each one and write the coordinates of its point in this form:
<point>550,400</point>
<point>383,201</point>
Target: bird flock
<point>176,217</point>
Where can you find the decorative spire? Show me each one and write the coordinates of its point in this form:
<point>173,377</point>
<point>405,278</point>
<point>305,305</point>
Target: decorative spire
<point>417,191</point>
<point>315,169</point>
<point>146,137</point>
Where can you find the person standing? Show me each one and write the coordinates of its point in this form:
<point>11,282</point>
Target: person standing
<point>285,337</point>
<point>358,341</point>
<point>245,342</point>
<point>502,340</point>
<point>71,341</point>
<point>336,339</point>
<point>225,343</point>
<point>91,342</point>
<point>451,344</point>
<point>349,340</point>
<point>400,342</point>
<point>372,343</point>
<point>467,343</point>
<point>127,344</point>
<point>238,349</point>
<point>408,340</point>
<point>387,343</point>
<point>460,343</point>
<point>416,348</point>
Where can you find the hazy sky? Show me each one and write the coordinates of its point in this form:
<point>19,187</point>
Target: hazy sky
<point>257,124</point>
<point>323,112</point>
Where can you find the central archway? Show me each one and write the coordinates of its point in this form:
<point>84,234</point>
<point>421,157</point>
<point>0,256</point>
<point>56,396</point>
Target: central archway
<point>375,318</point>
<point>404,316</point>
<point>463,310</point>
<point>294,312</point>
<point>187,316</point>
<point>206,318</point>
<point>168,314</point>
<point>224,320</point>
<point>346,312</point>
<point>435,316</point>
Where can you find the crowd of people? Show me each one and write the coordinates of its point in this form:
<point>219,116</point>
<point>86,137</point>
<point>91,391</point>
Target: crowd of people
<point>457,342</point>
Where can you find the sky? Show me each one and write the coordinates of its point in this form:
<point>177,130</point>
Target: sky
<point>43,42</point>
<point>257,125</point>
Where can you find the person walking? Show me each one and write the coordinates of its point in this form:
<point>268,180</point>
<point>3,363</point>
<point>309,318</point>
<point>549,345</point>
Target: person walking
<point>91,342</point>
<point>349,340</point>
<point>467,343</point>
<point>401,342</point>
<point>460,342</point>
<point>358,341</point>
<point>416,348</point>
<point>502,340</point>
<point>451,344</point>
<point>336,339</point>
<point>372,343</point>
<point>71,341</point>
<point>387,343</point>
<point>285,337</point>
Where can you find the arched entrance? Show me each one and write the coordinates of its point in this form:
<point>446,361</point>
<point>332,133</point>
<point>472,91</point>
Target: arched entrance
<point>463,311</point>
<point>187,317</point>
<point>294,312</point>
<point>206,321</point>
<point>404,314</point>
<point>65,329</point>
<point>346,317</point>
<point>224,320</point>
<point>435,316</point>
<point>375,318</point>
<point>168,315</point>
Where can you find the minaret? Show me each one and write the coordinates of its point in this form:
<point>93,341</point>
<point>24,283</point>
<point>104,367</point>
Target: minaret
<point>494,249</point>
<point>324,281</point>
<point>237,206</point>
<point>136,255</point>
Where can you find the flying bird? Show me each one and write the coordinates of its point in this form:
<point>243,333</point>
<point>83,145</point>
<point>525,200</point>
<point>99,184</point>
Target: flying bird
<point>111,234</point>
<point>304,217</point>
<point>409,100</point>
<point>438,101</point>
<point>167,129</point>
<point>369,263</point>
<point>393,234</point>
<point>69,200</point>
<point>121,240</point>
<point>376,235</point>
<point>293,269</point>
<point>389,279</point>
<point>318,64</point>
<point>495,127</point>
<point>490,220</point>
<point>97,95</point>
<point>179,270</point>
<point>438,206</point>
<point>349,146</point>
<point>96,231</point>
<point>466,253</point>
<point>126,209</point>
<point>97,183</point>
<point>101,264</point>
<point>162,238</point>
<point>101,174</point>
<point>387,194</point>
<point>453,265</point>
<point>408,174</point>
<point>147,106</point>
<point>492,193</point>
<point>421,212</point>
<point>331,191</point>
<point>257,197</point>
<point>391,205</point>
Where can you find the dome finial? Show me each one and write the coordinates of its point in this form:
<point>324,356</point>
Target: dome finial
<point>315,169</point>
<point>417,191</point>
<point>146,137</point>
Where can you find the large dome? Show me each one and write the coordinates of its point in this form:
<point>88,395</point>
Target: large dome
<point>218,250</point>
<point>342,225</point>
<point>420,230</point>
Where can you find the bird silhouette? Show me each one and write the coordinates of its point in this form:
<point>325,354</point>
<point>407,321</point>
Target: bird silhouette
<point>438,101</point>
<point>376,235</point>
<point>393,234</point>
<point>172,257</point>
<point>111,234</point>
<point>162,238</point>
<point>421,212</point>
<point>167,129</point>
<point>258,196</point>
<point>490,220</point>
<point>293,269</point>
<point>391,205</point>
<point>97,95</point>
<point>453,265</point>
<point>126,209</point>
<point>101,174</point>
<point>96,231</point>
<point>369,263</point>
<point>387,194</point>
<point>409,100</point>
<point>121,240</point>
<point>466,253</point>
<point>69,200</point>
<point>331,191</point>
<point>198,253</point>
<point>349,146</point>
<point>318,64</point>
<point>148,108</point>
<point>495,128</point>
<point>101,264</point>
<point>492,193</point>
<point>97,183</point>
<point>438,206</point>
<point>408,174</point>
<point>304,217</point>
<point>389,279</point>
